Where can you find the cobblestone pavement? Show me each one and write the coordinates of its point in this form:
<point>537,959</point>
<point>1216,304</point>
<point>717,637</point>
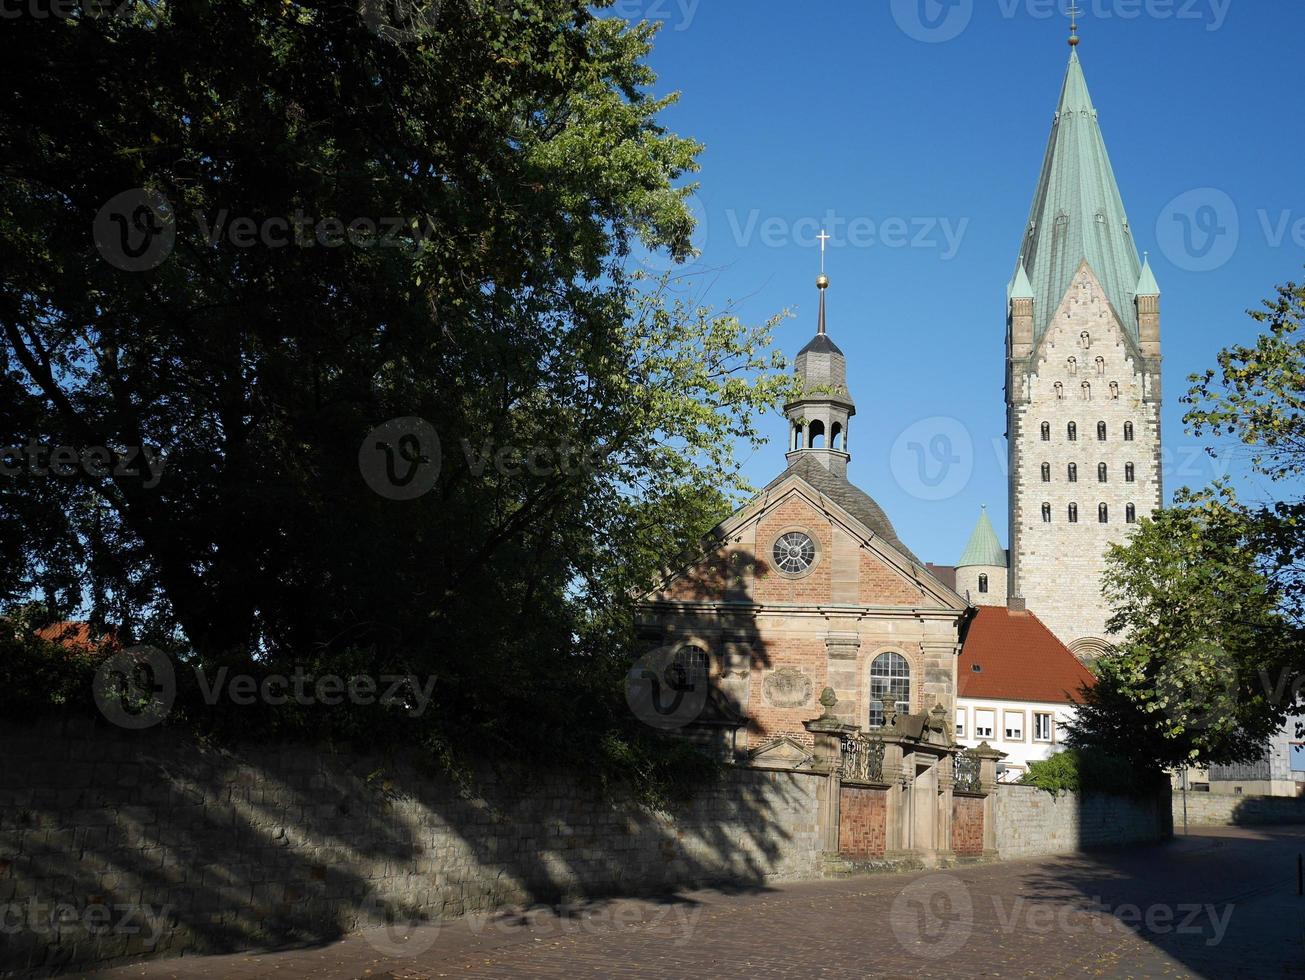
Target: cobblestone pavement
<point>1219,903</point>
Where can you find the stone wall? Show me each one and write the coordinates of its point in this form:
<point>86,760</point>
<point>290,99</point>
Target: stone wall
<point>115,844</point>
<point>862,822</point>
<point>1224,810</point>
<point>1030,822</point>
<point>967,826</point>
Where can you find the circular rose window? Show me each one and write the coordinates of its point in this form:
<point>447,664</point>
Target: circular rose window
<point>794,552</point>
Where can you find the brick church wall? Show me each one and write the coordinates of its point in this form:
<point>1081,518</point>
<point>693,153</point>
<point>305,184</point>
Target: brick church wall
<point>967,826</point>
<point>214,850</point>
<point>862,822</point>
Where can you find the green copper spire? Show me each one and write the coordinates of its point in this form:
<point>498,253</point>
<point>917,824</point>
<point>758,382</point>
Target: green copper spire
<point>1078,214</point>
<point>984,548</point>
<point>1020,287</point>
<point>1146,285</point>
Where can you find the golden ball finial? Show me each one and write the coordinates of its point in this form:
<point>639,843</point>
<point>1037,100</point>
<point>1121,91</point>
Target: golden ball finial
<point>822,281</point>
<point>1073,40</point>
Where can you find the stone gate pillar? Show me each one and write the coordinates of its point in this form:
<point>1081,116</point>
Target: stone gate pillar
<point>828,734</point>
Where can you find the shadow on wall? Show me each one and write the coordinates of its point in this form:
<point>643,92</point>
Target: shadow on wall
<point>116,844</point>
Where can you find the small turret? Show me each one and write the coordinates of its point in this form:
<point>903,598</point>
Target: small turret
<point>981,571</point>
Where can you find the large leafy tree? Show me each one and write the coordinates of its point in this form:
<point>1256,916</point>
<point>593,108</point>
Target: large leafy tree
<point>1209,594</point>
<point>371,219</point>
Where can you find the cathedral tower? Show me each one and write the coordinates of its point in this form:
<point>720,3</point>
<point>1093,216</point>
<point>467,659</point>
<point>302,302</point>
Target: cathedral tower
<point>1082,380</point>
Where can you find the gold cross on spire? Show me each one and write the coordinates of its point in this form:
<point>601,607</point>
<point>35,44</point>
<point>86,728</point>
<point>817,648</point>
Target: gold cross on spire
<point>1073,11</point>
<point>824,236</point>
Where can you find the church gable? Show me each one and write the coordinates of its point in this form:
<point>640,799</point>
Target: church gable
<point>795,547</point>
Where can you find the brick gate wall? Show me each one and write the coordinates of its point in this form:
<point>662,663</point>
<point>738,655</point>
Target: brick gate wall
<point>150,843</point>
<point>862,822</point>
<point>967,826</point>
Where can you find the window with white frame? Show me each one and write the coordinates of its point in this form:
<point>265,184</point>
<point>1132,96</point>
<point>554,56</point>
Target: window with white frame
<point>960,722</point>
<point>985,719</point>
<point>1013,725</point>
<point>1042,726</point>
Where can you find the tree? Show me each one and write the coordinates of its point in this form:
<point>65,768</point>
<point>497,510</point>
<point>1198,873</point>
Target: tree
<point>1209,594</point>
<point>244,236</point>
<point>1205,644</point>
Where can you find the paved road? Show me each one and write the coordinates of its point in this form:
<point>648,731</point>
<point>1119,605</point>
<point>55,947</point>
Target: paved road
<point>1220,903</point>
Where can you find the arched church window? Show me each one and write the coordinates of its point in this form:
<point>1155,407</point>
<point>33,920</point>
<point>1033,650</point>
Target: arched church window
<point>1073,366</point>
<point>1073,472</point>
<point>1128,432</point>
<point>1114,391</point>
<point>1101,432</point>
<point>1046,513</point>
<point>836,436</point>
<point>1103,514</point>
<point>1085,340</point>
<point>1101,473</point>
<point>983,583</point>
<point>1073,513</point>
<point>1087,391</point>
<point>1046,432</point>
<point>689,668</point>
<point>1130,514</point>
<point>797,435</point>
<point>1060,391</point>
<point>890,679</point>
<point>816,434</point>
<point>1072,430</point>
<point>1046,472</point>
<point>1101,367</point>
<point>1130,473</point>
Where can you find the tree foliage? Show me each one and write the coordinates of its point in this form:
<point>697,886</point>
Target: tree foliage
<point>509,157</point>
<point>1208,594</point>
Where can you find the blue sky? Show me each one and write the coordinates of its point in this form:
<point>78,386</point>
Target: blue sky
<point>915,129</point>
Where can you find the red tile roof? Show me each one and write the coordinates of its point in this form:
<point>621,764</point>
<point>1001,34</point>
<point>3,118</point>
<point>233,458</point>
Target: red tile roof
<point>77,636</point>
<point>1020,660</point>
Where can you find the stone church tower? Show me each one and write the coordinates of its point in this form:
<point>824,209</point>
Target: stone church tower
<point>1082,380</point>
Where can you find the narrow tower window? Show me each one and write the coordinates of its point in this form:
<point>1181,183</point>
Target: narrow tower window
<point>1060,392</point>
<point>1101,473</point>
<point>1103,514</point>
<point>1087,392</point>
<point>1130,514</point>
<point>1046,513</point>
<point>1101,432</point>
<point>1046,472</point>
<point>1073,513</point>
<point>1130,473</point>
<point>836,436</point>
<point>1046,432</point>
<point>1073,366</point>
<point>1073,431</point>
<point>817,434</point>
<point>983,583</point>
<point>1114,391</point>
<point>1073,472</point>
<point>1101,367</point>
<point>1085,340</point>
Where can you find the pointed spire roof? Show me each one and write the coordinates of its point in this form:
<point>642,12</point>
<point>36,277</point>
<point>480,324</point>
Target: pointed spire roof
<point>1020,287</point>
<point>1146,285</point>
<point>1078,214</point>
<point>984,548</point>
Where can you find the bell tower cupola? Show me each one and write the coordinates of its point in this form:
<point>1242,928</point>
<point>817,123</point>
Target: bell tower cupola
<point>818,417</point>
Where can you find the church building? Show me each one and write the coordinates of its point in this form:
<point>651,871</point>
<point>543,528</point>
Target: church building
<point>808,587</point>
